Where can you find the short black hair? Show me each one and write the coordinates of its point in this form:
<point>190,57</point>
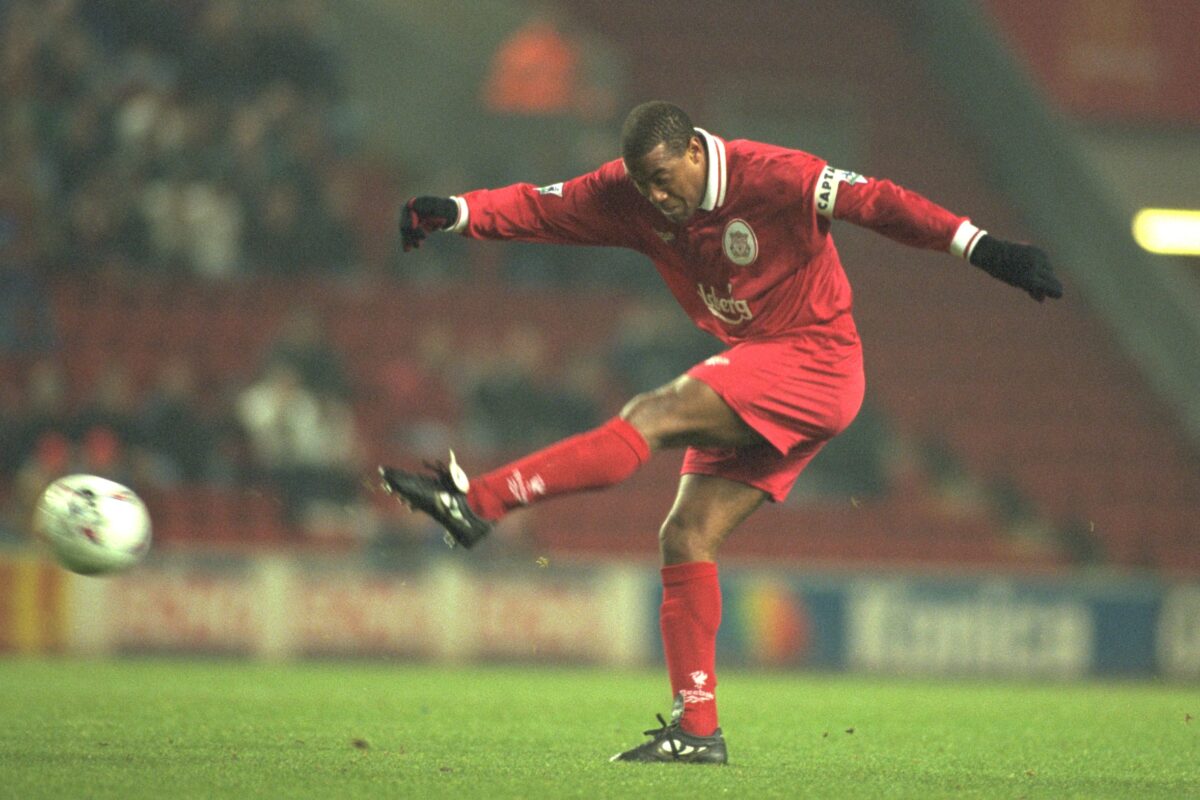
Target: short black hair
<point>654,123</point>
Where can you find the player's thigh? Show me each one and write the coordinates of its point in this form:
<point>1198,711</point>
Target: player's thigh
<point>707,509</point>
<point>687,412</point>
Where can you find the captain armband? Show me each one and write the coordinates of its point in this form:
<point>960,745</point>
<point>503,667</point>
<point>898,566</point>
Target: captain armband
<point>825,195</point>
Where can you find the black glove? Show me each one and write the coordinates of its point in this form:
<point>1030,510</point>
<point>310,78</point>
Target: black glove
<point>1020,265</point>
<point>423,214</point>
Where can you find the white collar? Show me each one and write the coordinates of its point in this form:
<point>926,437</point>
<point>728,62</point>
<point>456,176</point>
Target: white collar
<point>718,175</point>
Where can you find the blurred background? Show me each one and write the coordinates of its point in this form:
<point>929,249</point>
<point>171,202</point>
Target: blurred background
<point>201,295</point>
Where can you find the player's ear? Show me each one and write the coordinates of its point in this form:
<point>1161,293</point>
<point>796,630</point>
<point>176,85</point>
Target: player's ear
<point>695,149</point>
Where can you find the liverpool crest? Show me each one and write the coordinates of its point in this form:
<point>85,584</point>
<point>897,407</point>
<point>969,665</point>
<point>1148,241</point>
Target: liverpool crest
<point>740,243</point>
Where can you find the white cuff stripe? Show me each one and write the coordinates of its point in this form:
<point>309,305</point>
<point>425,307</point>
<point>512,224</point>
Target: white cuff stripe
<point>464,215</point>
<point>965,239</point>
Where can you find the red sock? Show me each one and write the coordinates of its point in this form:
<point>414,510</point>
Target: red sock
<point>689,617</point>
<point>601,457</point>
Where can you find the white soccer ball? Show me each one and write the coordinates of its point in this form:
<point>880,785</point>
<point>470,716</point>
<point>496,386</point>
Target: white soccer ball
<point>93,525</point>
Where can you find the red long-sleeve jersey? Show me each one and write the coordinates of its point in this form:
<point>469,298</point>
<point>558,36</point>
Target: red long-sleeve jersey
<point>756,259</point>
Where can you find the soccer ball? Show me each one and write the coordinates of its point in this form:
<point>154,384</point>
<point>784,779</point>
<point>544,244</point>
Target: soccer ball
<point>93,525</point>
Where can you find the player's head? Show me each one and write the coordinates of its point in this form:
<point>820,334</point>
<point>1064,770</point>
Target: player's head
<point>665,158</point>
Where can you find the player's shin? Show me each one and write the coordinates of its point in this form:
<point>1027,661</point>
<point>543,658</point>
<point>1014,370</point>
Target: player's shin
<point>600,457</point>
<point>690,616</point>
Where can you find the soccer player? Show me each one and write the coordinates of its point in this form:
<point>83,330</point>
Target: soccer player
<point>740,232</point>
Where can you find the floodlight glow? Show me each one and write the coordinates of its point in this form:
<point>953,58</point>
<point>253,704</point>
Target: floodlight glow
<point>1169,231</point>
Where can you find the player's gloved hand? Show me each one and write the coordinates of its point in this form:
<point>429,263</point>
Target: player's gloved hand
<point>423,214</point>
<point>1020,265</point>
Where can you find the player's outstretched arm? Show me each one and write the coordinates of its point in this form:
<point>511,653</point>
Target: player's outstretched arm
<point>423,214</point>
<point>579,211</point>
<point>1021,265</point>
<point>907,217</point>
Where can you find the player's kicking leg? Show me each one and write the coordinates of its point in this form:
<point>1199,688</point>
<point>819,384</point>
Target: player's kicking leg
<point>681,413</point>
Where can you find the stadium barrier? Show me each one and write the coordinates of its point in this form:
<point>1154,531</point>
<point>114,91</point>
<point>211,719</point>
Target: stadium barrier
<point>33,606</point>
<point>278,607</point>
<point>450,610</point>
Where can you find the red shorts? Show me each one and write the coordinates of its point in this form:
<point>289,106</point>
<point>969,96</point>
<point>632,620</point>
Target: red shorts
<point>797,392</point>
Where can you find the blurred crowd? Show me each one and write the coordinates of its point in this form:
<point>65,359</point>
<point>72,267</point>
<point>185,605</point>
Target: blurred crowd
<point>206,136</point>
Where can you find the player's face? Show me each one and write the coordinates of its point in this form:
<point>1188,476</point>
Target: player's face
<point>674,184</point>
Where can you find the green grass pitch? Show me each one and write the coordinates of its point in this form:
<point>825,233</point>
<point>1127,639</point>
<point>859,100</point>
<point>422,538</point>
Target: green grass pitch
<point>207,729</point>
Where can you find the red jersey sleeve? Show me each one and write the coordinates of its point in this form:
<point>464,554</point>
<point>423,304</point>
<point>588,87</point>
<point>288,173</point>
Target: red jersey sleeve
<point>579,211</point>
<point>895,212</point>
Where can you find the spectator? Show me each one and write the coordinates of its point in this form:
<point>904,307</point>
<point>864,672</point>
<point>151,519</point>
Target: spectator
<point>196,225</point>
<point>306,444</point>
<point>535,70</point>
<point>215,220</point>
<point>278,412</point>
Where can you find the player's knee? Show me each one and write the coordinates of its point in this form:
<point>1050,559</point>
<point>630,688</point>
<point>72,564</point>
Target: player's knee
<point>655,414</point>
<point>686,412</point>
<point>682,540</point>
